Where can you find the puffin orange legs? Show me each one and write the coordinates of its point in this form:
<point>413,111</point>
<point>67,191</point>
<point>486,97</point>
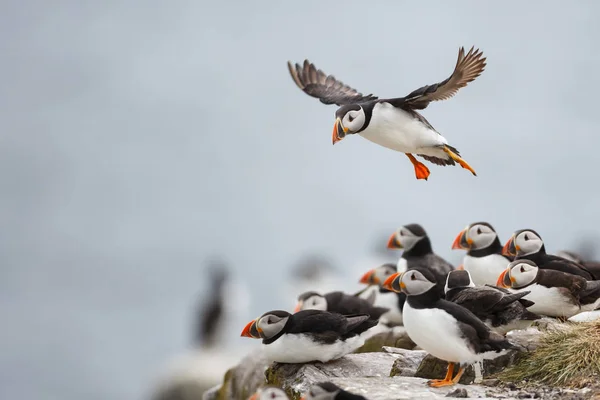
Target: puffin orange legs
<point>448,380</point>
<point>459,160</point>
<point>421,171</point>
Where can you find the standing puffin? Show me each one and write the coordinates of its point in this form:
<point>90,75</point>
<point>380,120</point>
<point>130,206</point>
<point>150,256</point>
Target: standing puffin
<point>269,393</point>
<point>385,298</point>
<point>527,244</point>
<point>308,335</point>
<point>419,253</point>
<point>555,293</point>
<point>484,259</point>
<point>444,329</point>
<point>498,308</point>
<point>393,123</point>
<point>329,391</point>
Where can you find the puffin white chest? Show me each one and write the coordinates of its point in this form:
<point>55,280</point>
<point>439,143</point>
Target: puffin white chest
<point>552,302</point>
<point>398,130</point>
<point>437,332</point>
<point>302,348</point>
<point>485,270</point>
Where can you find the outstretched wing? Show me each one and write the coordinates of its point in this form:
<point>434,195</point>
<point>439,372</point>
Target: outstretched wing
<point>326,88</point>
<point>468,67</point>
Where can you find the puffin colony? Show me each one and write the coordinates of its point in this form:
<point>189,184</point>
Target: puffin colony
<point>459,315</point>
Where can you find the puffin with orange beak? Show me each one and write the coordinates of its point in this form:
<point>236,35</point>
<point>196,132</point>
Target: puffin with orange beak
<point>329,391</point>
<point>446,330</point>
<point>418,252</point>
<point>484,259</point>
<point>308,335</point>
<point>554,293</point>
<point>394,123</point>
<point>385,298</point>
<point>527,244</point>
<point>338,302</point>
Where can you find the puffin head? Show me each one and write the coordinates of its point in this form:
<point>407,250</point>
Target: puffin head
<point>267,325</point>
<point>518,274</point>
<point>377,276</point>
<point>406,237</point>
<point>475,236</point>
<point>322,391</point>
<point>311,301</point>
<point>349,119</point>
<point>522,243</point>
<point>412,282</point>
<point>269,393</point>
<point>458,279</point>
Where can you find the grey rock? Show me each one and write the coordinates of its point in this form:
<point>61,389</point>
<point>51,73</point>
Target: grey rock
<point>407,363</point>
<point>394,337</point>
<point>295,379</point>
<point>459,393</point>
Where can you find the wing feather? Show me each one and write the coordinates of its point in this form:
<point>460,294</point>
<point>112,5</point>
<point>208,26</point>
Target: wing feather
<point>326,88</point>
<point>468,67</point>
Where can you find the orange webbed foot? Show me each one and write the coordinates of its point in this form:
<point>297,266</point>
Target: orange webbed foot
<point>421,170</point>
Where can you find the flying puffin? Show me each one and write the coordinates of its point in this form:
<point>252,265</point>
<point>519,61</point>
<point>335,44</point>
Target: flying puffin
<point>498,308</point>
<point>308,335</point>
<point>329,391</point>
<point>444,329</point>
<point>418,253</point>
<point>393,123</point>
<point>338,302</point>
<point>555,293</point>
<point>385,298</point>
<point>484,259</point>
<point>528,244</point>
<point>269,393</point>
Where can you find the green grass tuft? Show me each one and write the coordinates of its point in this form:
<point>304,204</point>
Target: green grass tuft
<point>563,358</point>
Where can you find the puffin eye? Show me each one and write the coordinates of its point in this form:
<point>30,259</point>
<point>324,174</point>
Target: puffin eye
<point>526,237</point>
<point>401,233</point>
<point>479,231</point>
<point>273,395</point>
<point>350,117</point>
<point>412,277</point>
<point>522,268</point>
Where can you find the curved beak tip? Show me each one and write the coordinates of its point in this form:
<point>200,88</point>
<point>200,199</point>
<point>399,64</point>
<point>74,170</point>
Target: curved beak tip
<point>461,242</point>
<point>298,307</point>
<point>388,282</point>
<point>339,132</point>
<point>247,332</point>
<point>367,278</point>
<point>500,281</point>
<point>509,248</point>
<point>393,243</point>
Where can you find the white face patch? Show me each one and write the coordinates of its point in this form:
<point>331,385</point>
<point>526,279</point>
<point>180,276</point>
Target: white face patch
<point>522,274</point>
<point>315,303</point>
<point>416,283</point>
<point>354,120</point>
<point>407,239</point>
<point>527,242</point>
<point>482,236</point>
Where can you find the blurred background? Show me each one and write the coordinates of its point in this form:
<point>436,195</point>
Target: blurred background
<point>140,141</point>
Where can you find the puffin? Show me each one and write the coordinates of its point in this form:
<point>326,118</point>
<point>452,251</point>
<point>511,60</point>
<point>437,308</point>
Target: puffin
<point>385,298</point>
<point>338,302</point>
<point>419,253</point>
<point>484,259</point>
<point>394,123</point>
<point>592,266</point>
<point>211,311</point>
<point>444,329</point>
<point>269,393</point>
<point>308,335</point>
<point>498,308</point>
<point>554,293</point>
<point>528,244</point>
<point>329,391</point>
